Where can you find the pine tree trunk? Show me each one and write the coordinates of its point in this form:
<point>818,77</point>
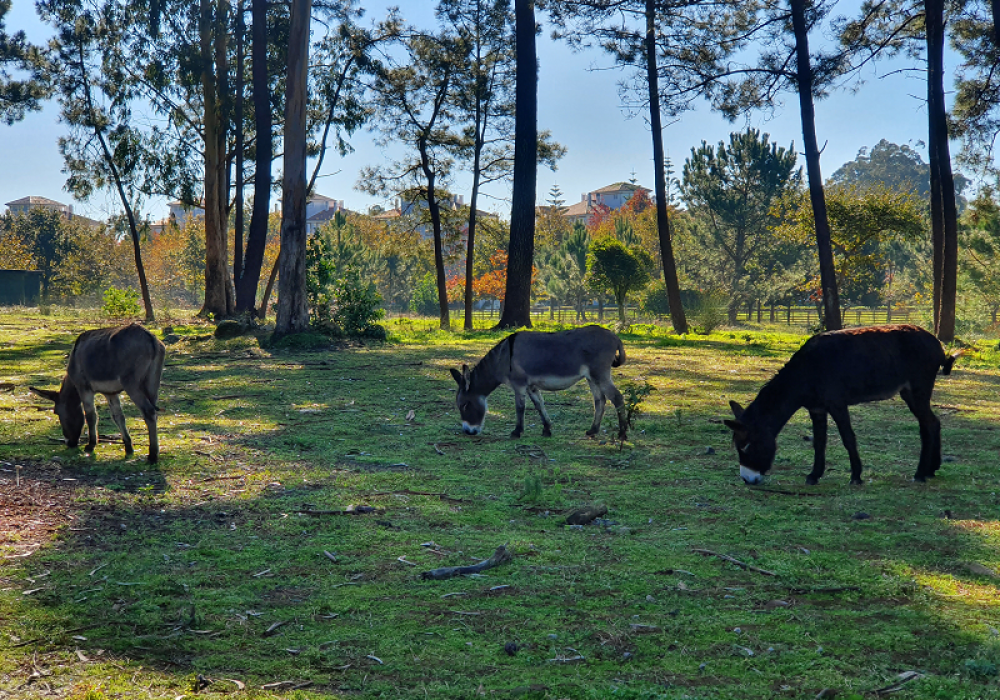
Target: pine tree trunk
<point>677,316</point>
<point>944,217</point>
<point>827,270</point>
<point>521,250</point>
<point>246,294</point>
<point>293,307</point>
<point>435,211</point>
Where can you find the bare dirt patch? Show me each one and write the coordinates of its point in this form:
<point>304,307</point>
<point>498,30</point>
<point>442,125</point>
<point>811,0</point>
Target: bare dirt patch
<point>36,500</point>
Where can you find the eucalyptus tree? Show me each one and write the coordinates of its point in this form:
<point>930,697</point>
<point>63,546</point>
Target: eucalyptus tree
<point>414,102</point>
<point>100,150</point>
<point>886,28</point>
<point>343,60</point>
<point>24,93</point>
<point>293,305</point>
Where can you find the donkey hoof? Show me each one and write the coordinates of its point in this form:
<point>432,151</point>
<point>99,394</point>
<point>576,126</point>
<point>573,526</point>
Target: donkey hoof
<point>812,480</point>
<point>920,478</point>
<point>546,432</point>
<point>856,482</point>
<point>152,459</point>
<point>515,433</point>
<point>623,436</point>
<point>592,432</point>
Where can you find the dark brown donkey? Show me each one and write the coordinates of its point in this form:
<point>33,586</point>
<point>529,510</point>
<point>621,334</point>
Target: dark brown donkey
<point>530,361</point>
<point>835,370</point>
<point>110,361</point>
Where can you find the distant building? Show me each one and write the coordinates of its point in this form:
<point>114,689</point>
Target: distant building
<point>26,204</point>
<point>319,210</point>
<point>612,196</point>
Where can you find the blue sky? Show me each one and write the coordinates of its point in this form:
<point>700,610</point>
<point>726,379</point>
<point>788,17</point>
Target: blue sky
<point>578,104</point>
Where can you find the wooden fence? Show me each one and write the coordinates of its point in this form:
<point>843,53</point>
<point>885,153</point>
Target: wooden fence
<point>800,316</point>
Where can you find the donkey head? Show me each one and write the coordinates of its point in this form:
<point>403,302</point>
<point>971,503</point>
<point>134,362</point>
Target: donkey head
<point>68,407</point>
<point>470,402</point>
<point>755,447</point>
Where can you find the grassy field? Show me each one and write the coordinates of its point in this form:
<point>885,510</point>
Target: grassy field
<point>207,575</point>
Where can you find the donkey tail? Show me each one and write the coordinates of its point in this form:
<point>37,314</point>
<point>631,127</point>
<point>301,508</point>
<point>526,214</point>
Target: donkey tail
<point>619,355</point>
<point>949,361</point>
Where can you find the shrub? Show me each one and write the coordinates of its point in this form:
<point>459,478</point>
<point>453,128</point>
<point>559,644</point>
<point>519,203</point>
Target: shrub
<point>709,312</point>
<point>655,302</point>
<point>357,307</point>
<point>120,303</point>
<point>425,297</point>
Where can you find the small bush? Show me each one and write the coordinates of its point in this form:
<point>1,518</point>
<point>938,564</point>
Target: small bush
<point>425,297</point>
<point>357,307</point>
<point>120,303</point>
<point>708,313</point>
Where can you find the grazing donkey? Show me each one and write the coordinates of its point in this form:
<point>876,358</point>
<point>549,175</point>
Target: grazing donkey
<point>832,371</point>
<point>529,361</point>
<point>110,361</point>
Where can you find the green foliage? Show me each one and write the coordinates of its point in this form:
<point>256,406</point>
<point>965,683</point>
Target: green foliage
<point>342,299</point>
<point>611,266</point>
<point>708,312</point>
<point>357,307</point>
<point>981,668</point>
<point>121,303</point>
<point>871,233</point>
<point>425,296</point>
<point>730,190</point>
<point>655,301</point>
<point>24,93</point>
<point>634,394</point>
<point>532,489</point>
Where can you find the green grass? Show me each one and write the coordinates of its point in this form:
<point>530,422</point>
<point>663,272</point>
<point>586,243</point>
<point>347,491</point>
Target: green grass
<point>155,576</point>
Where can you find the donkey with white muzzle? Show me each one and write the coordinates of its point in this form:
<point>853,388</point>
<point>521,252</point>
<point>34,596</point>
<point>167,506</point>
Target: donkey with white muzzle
<point>109,361</point>
<point>530,361</point>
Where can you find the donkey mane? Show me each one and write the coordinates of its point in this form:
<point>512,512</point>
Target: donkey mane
<point>483,376</point>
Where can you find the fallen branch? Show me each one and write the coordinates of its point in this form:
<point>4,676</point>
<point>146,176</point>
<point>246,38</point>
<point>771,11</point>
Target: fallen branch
<point>350,510</point>
<point>789,493</point>
<point>501,556</point>
<point>408,492</point>
<point>726,557</point>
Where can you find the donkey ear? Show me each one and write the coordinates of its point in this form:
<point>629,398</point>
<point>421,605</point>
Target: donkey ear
<point>737,409</point>
<point>458,377</point>
<point>46,394</point>
<point>736,426</point>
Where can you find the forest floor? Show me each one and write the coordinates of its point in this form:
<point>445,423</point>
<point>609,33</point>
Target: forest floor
<point>277,548</point>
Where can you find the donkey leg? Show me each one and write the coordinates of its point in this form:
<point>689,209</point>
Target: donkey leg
<point>119,418</point>
<point>599,402</point>
<point>536,398</point>
<point>843,420</point>
<point>819,446</point>
<point>148,410</point>
<point>610,391</point>
<point>90,411</point>
<point>919,404</point>
<point>519,403</point>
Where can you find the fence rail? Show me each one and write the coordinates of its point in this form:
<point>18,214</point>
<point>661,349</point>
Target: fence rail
<point>802,316</point>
